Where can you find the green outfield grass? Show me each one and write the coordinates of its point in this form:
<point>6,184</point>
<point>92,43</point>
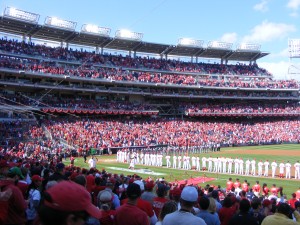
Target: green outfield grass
<point>270,152</point>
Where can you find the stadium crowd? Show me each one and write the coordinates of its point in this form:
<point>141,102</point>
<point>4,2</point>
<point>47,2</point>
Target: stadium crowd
<point>100,133</point>
<point>119,74</point>
<point>32,49</point>
<point>35,190</point>
<point>242,108</point>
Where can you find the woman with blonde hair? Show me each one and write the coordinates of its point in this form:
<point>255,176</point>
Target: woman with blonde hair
<point>212,208</point>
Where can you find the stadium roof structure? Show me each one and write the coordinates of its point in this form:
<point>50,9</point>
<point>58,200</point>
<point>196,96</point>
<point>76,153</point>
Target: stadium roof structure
<point>69,35</point>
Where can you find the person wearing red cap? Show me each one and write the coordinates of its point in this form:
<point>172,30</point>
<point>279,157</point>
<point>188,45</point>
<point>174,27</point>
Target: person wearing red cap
<point>34,198</point>
<point>67,203</point>
<point>148,195</point>
<point>16,206</point>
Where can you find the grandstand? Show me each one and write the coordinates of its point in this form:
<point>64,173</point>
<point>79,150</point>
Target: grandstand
<point>92,99</point>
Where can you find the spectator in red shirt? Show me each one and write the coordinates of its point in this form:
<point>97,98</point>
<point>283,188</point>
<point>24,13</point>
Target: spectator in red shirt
<point>265,189</point>
<point>237,183</point>
<point>129,213</point>
<point>16,203</point>
<point>298,194</point>
<point>256,188</point>
<point>229,184</point>
<point>160,200</point>
<point>292,201</point>
<point>227,211</point>
<point>245,186</point>
<point>105,203</point>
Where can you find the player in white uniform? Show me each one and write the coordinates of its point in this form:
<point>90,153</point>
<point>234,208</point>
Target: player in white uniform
<point>224,162</point>
<point>168,157</point>
<point>236,165</point>
<point>230,161</point>
<point>266,164</point>
<point>210,161</point>
<point>274,166</point>
<point>198,168</point>
<point>297,170</point>
<point>204,163</point>
<point>281,169</point>
<point>260,168</point>
<point>288,170</point>
<point>188,163</point>
<point>179,161</point>
<point>193,162</point>
<point>215,160</point>
<point>174,161</point>
<point>241,165</point>
<point>142,157</point>
<point>219,170</point>
<point>253,167</point>
<point>247,170</point>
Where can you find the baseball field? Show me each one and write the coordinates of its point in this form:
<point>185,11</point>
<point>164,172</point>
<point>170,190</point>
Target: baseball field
<point>288,152</point>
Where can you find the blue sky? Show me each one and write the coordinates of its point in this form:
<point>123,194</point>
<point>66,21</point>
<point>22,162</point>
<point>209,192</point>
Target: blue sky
<point>266,22</point>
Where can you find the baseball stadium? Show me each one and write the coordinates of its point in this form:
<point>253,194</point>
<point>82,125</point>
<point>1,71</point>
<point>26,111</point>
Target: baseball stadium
<point>116,107</point>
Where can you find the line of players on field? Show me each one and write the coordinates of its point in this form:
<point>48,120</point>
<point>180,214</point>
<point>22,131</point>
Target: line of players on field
<point>224,165</point>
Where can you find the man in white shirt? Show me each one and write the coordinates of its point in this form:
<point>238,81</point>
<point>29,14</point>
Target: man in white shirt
<point>204,160</point>
<point>210,160</point>
<point>253,167</point>
<point>281,169</point>
<point>297,170</point>
<point>198,168</point>
<point>266,164</point>
<point>241,166</point>
<point>168,157</point>
<point>274,166</point>
<point>179,161</point>
<point>230,161</point>
<point>288,170</point>
<point>247,170</point>
<point>260,168</point>
<point>224,162</point>
<point>174,161</point>
<point>236,165</point>
<point>92,162</point>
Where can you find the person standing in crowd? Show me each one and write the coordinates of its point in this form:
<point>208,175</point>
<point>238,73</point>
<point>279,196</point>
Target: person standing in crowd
<point>34,198</point>
<point>67,203</point>
<point>16,205</point>
<point>92,162</point>
<point>168,207</point>
<point>59,173</point>
<point>129,213</point>
<point>243,217</point>
<point>209,218</point>
<point>282,216</point>
<point>184,216</point>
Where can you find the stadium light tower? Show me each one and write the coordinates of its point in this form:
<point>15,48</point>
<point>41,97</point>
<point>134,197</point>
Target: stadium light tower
<point>248,47</point>
<point>219,45</point>
<point>17,14</point>
<point>294,53</point>
<point>190,42</point>
<point>59,23</point>
<point>126,34</point>
<point>94,29</point>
